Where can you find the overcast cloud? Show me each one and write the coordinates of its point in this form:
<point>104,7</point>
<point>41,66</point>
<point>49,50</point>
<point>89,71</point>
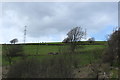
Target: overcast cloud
<point>51,21</point>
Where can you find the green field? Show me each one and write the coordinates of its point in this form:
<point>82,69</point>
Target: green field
<point>84,55</point>
<point>84,52</point>
<point>40,49</point>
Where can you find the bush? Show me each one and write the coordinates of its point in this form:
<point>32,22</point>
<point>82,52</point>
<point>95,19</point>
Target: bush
<point>113,51</point>
<point>53,67</point>
<point>11,51</point>
<point>15,50</point>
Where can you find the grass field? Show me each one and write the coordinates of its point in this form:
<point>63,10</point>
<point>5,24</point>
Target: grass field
<point>40,49</point>
<point>85,52</point>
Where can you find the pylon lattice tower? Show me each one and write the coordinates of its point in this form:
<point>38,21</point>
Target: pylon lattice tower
<point>25,34</point>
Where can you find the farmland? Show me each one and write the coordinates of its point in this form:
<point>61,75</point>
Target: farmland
<point>85,55</point>
<point>43,50</point>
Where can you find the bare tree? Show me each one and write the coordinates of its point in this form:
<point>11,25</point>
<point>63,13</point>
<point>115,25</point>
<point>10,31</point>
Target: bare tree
<point>66,40</point>
<point>75,35</point>
<point>91,40</point>
<point>14,41</point>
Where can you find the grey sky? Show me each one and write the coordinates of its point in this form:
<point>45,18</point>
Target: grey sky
<point>51,21</point>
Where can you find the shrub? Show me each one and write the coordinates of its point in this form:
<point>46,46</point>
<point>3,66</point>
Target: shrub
<point>10,51</point>
<point>113,50</point>
<point>53,67</point>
